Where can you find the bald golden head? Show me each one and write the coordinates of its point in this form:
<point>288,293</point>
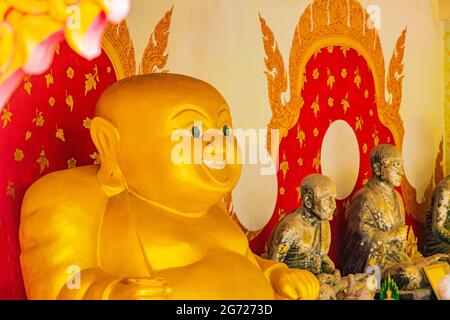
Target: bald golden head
<point>155,94</point>
<point>137,132</point>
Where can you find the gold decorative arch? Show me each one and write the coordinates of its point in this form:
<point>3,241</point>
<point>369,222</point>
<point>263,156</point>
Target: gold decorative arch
<point>330,23</point>
<point>154,58</point>
<point>325,23</point>
<point>118,45</point>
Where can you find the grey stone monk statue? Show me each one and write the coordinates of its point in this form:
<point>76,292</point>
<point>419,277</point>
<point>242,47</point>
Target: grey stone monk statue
<point>376,229</point>
<point>302,238</point>
<point>376,218</point>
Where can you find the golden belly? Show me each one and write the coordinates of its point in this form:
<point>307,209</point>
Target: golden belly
<point>219,275</point>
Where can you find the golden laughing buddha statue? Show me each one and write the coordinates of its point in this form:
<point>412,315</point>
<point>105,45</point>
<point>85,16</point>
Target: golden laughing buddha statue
<point>142,225</point>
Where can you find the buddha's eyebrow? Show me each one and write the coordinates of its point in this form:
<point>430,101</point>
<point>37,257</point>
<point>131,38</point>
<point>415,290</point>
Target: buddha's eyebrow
<point>189,110</point>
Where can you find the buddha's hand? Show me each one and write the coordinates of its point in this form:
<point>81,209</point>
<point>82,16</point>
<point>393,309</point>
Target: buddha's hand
<point>139,289</point>
<point>295,284</point>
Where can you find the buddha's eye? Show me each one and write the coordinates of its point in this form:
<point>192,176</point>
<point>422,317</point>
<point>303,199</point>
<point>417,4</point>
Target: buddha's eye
<point>196,131</point>
<point>226,131</point>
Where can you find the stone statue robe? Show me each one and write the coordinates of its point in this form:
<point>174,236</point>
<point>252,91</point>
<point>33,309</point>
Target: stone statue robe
<point>301,241</point>
<point>373,217</point>
<point>438,220</point>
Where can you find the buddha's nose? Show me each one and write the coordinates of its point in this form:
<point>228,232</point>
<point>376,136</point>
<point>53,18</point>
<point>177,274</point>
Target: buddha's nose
<point>215,150</point>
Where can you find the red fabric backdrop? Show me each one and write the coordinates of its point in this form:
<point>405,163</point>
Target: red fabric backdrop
<point>44,128</point>
<point>339,85</point>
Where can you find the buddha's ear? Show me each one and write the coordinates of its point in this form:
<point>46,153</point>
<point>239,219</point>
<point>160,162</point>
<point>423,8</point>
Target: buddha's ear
<point>106,138</point>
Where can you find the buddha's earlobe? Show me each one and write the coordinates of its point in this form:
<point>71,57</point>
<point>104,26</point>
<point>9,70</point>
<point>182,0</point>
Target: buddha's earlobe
<point>106,139</point>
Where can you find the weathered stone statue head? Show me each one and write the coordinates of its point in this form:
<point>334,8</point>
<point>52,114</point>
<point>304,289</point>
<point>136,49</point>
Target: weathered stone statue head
<point>134,133</point>
<point>319,196</point>
<point>387,164</point>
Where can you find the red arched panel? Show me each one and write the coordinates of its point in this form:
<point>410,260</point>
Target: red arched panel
<point>339,86</point>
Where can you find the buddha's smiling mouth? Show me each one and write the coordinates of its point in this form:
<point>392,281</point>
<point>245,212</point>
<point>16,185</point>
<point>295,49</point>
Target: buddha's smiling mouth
<point>216,165</point>
<point>216,171</point>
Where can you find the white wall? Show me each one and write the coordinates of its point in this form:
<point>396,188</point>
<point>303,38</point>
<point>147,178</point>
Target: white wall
<point>219,41</point>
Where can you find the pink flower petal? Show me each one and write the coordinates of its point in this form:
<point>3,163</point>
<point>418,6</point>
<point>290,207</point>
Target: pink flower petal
<point>91,47</point>
<point>9,86</point>
<point>42,56</point>
<point>119,10</point>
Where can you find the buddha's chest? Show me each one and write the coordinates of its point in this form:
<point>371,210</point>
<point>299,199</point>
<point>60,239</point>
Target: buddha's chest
<point>178,241</point>
<point>161,240</point>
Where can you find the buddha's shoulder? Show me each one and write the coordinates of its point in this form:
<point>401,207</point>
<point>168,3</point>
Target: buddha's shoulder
<point>74,188</point>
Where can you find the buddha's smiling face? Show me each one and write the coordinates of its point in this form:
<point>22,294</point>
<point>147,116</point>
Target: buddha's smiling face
<point>176,143</point>
<point>204,145</point>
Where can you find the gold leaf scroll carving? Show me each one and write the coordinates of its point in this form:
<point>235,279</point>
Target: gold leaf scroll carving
<point>154,58</point>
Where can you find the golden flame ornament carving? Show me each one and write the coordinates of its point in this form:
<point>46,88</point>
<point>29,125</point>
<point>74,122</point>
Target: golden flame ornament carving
<point>335,23</point>
<point>119,47</point>
<point>154,58</point>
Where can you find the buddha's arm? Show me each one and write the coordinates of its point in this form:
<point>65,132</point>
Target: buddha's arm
<point>58,237</point>
<point>267,266</point>
<point>440,215</point>
<point>95,284</point>
<point>59,260</point>
<point>288,283</point>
